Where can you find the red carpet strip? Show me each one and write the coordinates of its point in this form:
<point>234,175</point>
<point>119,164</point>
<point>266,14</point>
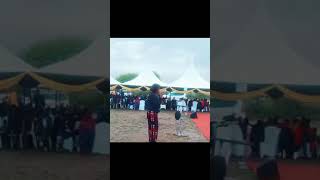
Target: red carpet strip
<point>203,124</point>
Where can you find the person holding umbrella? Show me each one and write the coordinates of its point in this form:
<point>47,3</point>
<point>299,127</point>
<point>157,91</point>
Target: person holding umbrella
<point>153,108</point>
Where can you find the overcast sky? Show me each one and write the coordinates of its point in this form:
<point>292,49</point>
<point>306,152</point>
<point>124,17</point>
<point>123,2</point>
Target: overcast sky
<point>25,22</point>
<point>168,56</point>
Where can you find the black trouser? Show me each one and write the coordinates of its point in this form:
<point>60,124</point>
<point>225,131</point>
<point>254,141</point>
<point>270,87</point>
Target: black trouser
<point>5,140</point>
<point>256,149</point>
<point>45,141</point>
<point>27,141</point>
<point>53,142</point>
<point>15,139</point>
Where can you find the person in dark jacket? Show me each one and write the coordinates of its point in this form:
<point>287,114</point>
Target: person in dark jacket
<point>87,132</point>
<point>257,136</point>
<point>28,117</point>
<point>174,104</point>
<point>168,105</point>
<point>286,140</point>
<point>243,124</point>
<point>189,105</point>
<point>153,107</point>
<point>14,123</point>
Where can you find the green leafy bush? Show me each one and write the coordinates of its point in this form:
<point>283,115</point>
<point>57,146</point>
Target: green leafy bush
<point>43,53</point>
<point>126,77</point>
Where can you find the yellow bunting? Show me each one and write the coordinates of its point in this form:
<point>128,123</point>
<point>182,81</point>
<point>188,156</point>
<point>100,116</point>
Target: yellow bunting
<point>240,95</point>
<point>262,92</point>
<point>65,87</point>
<point>162,90</point>
<point>133,89</point>
<point>12,98</point>
<point>298,96</point>
<point>207,93</point>
<point>10,82</point>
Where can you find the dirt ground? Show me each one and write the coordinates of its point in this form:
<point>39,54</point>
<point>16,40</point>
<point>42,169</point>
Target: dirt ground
<point>236,173</point>
<point>53,166</point>
<point>131,126</point>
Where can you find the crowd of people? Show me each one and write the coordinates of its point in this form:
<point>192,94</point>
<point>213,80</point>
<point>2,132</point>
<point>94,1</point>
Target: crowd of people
<point>121,100</point>
<point>295,138</point>
<point>35,126</point>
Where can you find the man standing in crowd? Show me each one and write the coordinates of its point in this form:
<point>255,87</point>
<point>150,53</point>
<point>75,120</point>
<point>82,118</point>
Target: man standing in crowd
<point>189,105</point>
<point>174,104</point>
<point>179,120</point>
<point>153,107</point>
<point>168,105</point>
<point>4,108</point>
<point>87,132</point>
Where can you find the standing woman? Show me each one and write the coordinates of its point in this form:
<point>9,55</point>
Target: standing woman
<point>153,108</point>
<point>87,131</point>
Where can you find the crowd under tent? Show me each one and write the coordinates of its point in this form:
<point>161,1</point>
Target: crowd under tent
<point>14,71</point>
<point>276,67</point>
<point>84,72</point>
<point>191,79</point>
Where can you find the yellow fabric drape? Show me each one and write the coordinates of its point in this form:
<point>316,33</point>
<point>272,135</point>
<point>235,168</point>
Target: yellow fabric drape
<point>133,89</point>
<point>240,95</point>
<point>262,92</point>
<point>162,90</point>
<point>112,88</point>
<point>65,87</point>
<point>207,93</point>
<point>298,96</point>
<point>12,98</point>
<point>51,84</point>
<point>10,82</point>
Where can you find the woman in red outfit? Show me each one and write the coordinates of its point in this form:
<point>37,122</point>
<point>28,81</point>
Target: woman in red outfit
<point>87,131</point>
<point>298,137</point>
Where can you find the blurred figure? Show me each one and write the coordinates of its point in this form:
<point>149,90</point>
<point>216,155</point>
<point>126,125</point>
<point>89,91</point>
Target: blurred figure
<point>218,168</point>
<point>268,170</point>
<point>87,131</point>
<point>153,107</point>
<point>256,137</point>
<point>174,103</point>
<point>179,120</point>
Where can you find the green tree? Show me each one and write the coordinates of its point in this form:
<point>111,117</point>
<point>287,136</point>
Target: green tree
<point>43,53</point>
<point>197,96</point>
<point>126,77</point>
<point>282,107</point>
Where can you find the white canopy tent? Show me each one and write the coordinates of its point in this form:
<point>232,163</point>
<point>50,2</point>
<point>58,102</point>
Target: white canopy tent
<point>191,79</point>
<point>113,81</point>
<point>11,63</point>
<point>90,62</point>
<point>146,78</point>
<point>262,55</point>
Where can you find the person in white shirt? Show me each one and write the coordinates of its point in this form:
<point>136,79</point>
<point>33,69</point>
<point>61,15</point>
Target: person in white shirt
<point>194,105</point>
<point>181,105</point>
